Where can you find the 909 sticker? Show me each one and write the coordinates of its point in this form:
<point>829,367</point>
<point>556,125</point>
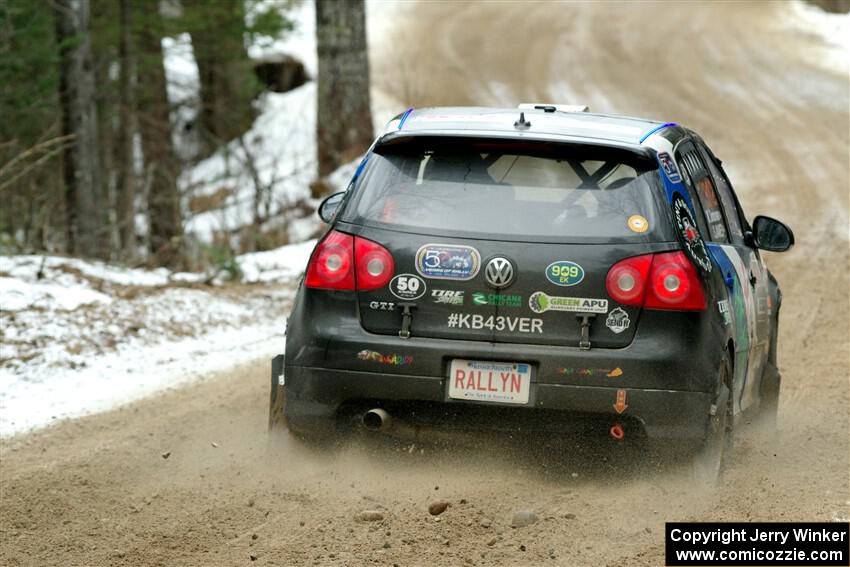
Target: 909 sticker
<point>448,262</point>
<point>564,273</point>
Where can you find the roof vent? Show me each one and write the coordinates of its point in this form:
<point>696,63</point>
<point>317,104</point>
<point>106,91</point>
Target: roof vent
<point>545,107</point>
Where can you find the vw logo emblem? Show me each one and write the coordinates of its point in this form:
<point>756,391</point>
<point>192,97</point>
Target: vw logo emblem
<point>499,273</point>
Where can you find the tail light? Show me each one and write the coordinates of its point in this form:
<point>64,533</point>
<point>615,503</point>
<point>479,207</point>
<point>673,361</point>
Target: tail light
<point>656,281</point>
<point>626,280</point>
<point>674,284</point>
<point>346,262</point>
<point>332,263</point>
<point>374,265</point>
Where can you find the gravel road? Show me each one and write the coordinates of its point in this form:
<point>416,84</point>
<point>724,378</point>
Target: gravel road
<point>99,490</point>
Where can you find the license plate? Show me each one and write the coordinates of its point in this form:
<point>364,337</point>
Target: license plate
<point>485,381</point>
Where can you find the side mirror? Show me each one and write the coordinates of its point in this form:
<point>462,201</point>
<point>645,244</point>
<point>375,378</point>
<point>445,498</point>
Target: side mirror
<point>328,208</point>
<point>771,235</point>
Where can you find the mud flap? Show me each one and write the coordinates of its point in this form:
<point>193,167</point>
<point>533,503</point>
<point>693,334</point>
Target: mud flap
<point>277,396</point>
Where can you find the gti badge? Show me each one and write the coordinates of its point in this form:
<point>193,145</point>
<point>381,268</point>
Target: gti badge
<point>499,273</point>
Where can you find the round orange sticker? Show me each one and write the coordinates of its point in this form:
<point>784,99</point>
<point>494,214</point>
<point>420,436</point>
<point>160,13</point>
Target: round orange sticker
<point>638,223</point>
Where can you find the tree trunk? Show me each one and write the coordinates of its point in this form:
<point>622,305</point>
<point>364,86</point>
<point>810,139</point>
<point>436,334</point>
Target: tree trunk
<point>128,125</point>
<point>87,211</point>
<point>344,118</point>
<point>161,166</point>
<point>227,80</point>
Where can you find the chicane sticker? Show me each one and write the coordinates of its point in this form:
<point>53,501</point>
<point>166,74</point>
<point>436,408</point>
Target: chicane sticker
<point>495,323</point>
<point>448,262</point>
<point>694,245</point>
<point>539,302</point>
<point>669,167</point>
<point>564,272</point>
<point>391,359</point>
<point>617,320</point>
<point>609,372</point>
<point>480,298</point>
<point>447,296</point>
<point>638,223</point>
<point>382,305</point>
<point>407,286</point>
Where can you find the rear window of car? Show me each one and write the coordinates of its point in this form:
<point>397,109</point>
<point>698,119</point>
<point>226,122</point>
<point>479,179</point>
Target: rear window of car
<point>524,190</point>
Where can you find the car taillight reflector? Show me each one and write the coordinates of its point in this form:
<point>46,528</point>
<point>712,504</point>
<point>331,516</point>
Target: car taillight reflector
<point>674,284</point>
<point>626,280</point>
<point>346,262</point>
<point>332,263</point>
<point>656,281</point>
<point>374,263</point>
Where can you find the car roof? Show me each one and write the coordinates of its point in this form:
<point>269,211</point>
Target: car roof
<point>539,123</point>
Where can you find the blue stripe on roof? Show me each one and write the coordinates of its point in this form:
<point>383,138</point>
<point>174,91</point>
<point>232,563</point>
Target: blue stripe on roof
<point>403,118</point>
<point>656,129</point>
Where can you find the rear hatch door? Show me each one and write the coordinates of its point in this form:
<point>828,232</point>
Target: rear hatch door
<point>505,241</point>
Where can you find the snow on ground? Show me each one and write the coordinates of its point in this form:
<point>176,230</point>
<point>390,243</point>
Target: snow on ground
<point>80,337</point>
<point>277,157</point>
<point>285,263</point>
<point>299,43</point>
<point>271,167</point>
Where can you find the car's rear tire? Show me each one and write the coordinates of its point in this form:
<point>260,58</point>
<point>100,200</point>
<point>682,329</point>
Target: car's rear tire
<point>707,462</point>
<point>281,434</point>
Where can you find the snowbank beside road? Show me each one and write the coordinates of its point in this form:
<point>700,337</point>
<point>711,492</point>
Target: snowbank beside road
<point>282,264</point>
<point>81,337</point>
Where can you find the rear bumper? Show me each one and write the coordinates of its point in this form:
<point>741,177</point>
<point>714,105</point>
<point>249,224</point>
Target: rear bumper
<point>319,401</point>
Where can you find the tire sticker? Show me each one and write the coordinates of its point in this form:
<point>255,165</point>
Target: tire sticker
<point>447,296</point>
<point>689,234</point>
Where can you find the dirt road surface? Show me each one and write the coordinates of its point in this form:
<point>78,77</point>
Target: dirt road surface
<point>97,491</point>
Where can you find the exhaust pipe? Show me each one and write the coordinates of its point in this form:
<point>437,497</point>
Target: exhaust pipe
<point>377,419</point>
<point>617,432</point>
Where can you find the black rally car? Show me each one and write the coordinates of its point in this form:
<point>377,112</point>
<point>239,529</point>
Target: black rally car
<point>534,268</point>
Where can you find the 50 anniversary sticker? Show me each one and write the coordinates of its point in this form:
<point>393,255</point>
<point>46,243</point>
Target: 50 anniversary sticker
<point>407,286</point>
<point>448,262</point>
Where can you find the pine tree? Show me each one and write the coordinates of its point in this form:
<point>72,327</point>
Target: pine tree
<point>161,165</point>
<point>228,84</point>
<point>87,218</point>
<point>344,120</point>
